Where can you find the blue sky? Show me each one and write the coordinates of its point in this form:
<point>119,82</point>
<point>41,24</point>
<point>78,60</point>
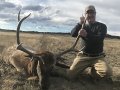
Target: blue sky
<point>57,15</point>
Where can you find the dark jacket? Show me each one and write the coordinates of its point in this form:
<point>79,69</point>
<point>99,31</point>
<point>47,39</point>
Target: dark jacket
<point>93,42</point>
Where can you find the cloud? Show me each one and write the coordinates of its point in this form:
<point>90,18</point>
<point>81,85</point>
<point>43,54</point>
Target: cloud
<point>7,17</point>
<point>4,5</point>
<point>33,8</point>
<point>3,22</point>
<point>60,12</point>
<point>27,2</point>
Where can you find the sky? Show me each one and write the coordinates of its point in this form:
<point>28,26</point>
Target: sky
<point>57,15</point>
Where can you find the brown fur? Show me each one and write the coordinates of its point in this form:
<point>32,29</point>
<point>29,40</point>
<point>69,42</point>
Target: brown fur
<point>28,66</point>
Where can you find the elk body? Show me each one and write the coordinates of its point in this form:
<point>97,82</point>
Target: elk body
<point>24,62</point>
<point>30,62</point>
<point>31,67</point>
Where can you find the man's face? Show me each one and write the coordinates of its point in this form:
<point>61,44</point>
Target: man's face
<point>91,16</point>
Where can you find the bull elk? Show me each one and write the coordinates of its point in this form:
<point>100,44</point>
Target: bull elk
<point>33,63</point>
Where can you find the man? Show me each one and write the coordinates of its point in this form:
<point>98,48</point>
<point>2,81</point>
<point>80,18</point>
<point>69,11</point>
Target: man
<point>92,38</point>
<point>91,60</point>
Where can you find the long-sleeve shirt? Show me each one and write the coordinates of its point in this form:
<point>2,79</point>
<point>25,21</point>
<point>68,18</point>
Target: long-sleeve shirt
<point>93,42</point>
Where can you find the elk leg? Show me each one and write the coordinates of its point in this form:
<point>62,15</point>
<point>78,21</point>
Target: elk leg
<point>32,68</point>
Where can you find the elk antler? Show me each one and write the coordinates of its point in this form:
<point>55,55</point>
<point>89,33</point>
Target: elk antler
<point>20,47</point>
<point>73,47</point>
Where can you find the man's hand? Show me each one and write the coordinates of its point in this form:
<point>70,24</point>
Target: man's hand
<point>82,19</point>
<point>82,33</point>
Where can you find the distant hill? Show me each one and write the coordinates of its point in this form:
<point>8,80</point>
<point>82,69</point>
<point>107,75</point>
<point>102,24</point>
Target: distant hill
<point>36,32</point>
<point>112,37</point>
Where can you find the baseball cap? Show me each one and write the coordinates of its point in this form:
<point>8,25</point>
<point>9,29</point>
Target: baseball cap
<point>90,7</point>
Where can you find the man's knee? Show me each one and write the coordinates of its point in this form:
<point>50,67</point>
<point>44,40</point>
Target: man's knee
<point>103,69</point>
<point>109,72</point>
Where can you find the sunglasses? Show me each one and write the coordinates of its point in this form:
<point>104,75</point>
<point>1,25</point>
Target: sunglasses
<point>90,12</point>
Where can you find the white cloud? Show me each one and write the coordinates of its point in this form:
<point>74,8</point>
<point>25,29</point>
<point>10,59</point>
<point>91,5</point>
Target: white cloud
<point>60,19</point>
<point>3,22</point>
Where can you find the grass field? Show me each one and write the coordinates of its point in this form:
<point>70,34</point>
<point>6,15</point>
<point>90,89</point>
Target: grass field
<point>9,80</point>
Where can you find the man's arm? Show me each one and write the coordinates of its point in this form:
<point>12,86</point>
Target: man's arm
<point>75,30</point>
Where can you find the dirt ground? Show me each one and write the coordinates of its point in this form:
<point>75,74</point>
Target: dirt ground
<point>9,80</point>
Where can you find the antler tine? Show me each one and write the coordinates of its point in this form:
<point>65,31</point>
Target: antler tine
<point>19,15</point>
<point>78,35</point>
<point>18,28</point>
<point>73,47</point>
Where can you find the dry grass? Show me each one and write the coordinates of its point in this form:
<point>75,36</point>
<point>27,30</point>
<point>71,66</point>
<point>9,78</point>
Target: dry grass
<point>9,80</point>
